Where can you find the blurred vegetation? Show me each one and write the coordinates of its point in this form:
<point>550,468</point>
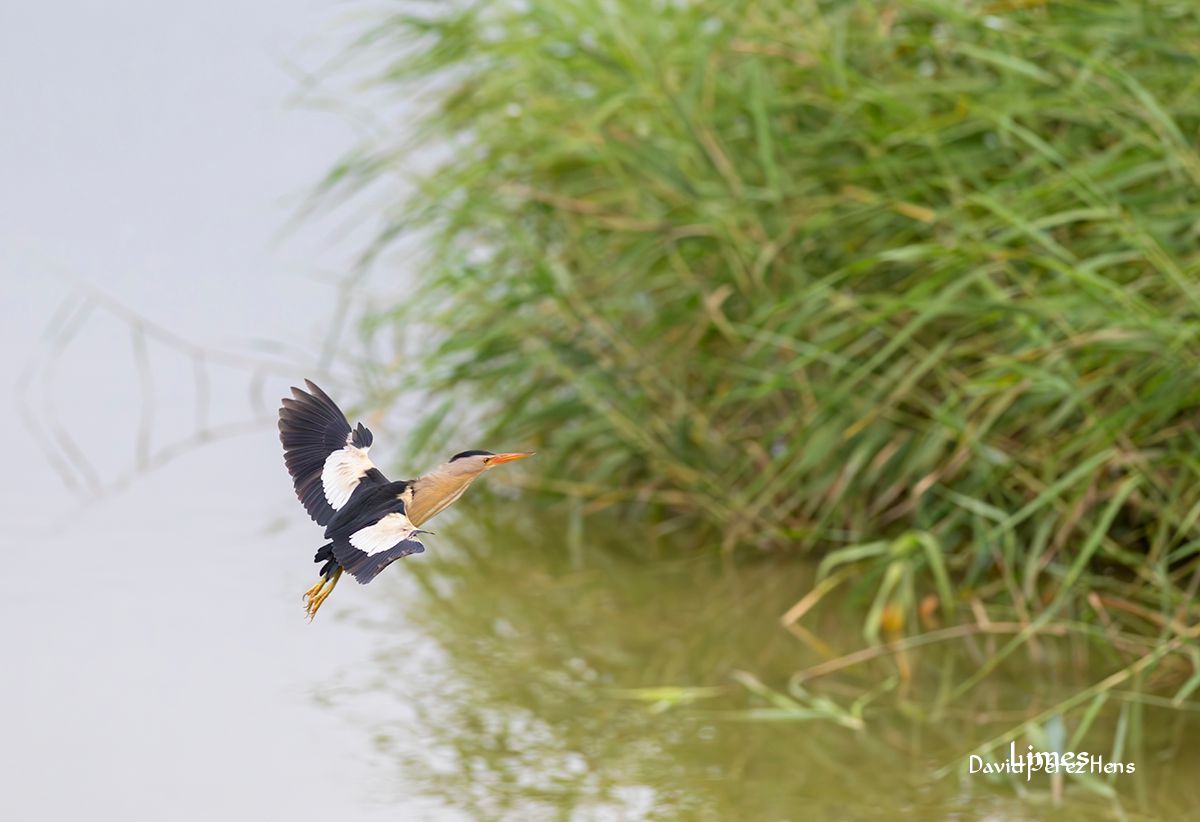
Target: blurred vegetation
<point>910,285</point>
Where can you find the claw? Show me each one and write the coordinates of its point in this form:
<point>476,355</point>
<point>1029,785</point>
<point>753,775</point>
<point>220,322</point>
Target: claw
<point>313,591</point>
<point>315,596</point>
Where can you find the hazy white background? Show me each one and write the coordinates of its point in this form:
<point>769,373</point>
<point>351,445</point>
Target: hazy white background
<point>156,663</point>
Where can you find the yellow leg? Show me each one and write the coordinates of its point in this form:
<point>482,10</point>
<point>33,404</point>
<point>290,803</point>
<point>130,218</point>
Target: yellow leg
<point>317,594</point>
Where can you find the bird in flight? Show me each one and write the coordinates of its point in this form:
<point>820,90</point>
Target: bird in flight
<point>370,522</point>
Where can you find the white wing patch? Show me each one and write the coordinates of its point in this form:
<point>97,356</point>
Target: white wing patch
<point>343,471</point>
<point>390,531</point>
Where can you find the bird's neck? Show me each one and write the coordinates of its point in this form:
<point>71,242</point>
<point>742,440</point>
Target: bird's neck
<point>434,492</point>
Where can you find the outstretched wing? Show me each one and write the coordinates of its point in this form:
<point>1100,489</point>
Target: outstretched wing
<point>368,550</point>
<point>325,456</point>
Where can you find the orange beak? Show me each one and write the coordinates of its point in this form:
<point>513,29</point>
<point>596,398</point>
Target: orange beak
<point>500,459</point>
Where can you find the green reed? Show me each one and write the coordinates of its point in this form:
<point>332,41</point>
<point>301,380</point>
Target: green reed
<point>914,286</point>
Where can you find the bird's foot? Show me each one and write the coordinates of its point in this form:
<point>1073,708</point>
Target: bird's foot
<point>315,596</point>
<point>315,589</point>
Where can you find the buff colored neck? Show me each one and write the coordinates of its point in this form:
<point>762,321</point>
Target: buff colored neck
<point>435,492</point>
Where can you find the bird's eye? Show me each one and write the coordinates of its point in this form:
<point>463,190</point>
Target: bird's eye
<point>486,460</point>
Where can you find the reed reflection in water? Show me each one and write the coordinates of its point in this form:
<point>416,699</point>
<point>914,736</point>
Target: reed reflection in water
<point>609,680</point>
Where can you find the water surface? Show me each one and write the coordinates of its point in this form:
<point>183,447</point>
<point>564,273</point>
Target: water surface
<point>588,674</point>
<point>156,661</point>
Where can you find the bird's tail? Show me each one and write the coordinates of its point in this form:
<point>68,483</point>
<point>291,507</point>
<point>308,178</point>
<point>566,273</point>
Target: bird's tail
<point>325,555</point>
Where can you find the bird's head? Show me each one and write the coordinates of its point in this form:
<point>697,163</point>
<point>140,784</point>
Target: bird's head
<point>443,485</point>
<point>476,462</point>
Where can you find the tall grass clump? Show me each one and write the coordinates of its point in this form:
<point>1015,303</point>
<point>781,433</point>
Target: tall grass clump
<point>911,282</point>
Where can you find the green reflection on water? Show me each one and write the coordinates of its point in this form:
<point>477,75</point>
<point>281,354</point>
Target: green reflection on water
<point>597,676</point>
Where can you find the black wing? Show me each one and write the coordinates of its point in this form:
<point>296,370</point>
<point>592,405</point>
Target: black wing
<point>367,505</point>
<point>313,429</point>
<point>364,566</point>
<point>373,530</point>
